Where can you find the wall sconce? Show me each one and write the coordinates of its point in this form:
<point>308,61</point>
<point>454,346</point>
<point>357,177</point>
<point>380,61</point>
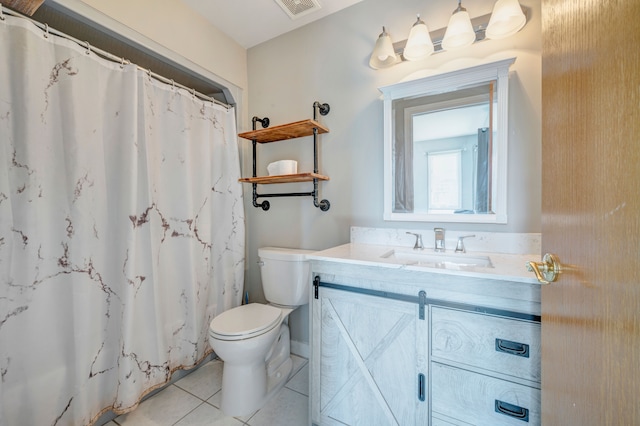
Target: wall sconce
<point>383,54</point>
<point>506,19</point>
<point>419,44</point>
<point>459,32</point>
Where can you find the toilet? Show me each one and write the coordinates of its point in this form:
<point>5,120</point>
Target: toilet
<point>253,340</point>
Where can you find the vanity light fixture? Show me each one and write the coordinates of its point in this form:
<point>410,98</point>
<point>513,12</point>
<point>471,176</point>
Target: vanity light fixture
<point>419,44</point>
<point>383,54</point>
<point>459,32</point>
<point>508,18</point>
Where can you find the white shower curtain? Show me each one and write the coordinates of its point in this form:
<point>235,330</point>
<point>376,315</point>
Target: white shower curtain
<point>121,229</point>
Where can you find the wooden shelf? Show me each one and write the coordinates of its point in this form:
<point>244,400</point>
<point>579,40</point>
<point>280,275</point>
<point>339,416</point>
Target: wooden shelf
<point>300,177</point>
<point>285,131</point>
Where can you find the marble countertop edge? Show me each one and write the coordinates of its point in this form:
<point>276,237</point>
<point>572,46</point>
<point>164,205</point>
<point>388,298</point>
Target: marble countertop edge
<point>506,267</point>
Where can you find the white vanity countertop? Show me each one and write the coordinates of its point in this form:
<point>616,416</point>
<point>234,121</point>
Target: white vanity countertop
<point>510,267</point>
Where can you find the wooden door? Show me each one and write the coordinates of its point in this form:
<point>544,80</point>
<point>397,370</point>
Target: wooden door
<point>372,350</point>
<point>591,212</point>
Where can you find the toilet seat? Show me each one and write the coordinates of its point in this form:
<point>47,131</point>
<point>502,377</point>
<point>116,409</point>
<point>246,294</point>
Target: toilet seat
<point>245,322</point>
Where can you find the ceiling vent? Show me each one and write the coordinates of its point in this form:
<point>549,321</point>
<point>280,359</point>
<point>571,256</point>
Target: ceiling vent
<point>298,8</point>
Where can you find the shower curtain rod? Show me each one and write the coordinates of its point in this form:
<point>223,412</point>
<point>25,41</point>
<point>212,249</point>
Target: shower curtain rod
<point>109,56</point>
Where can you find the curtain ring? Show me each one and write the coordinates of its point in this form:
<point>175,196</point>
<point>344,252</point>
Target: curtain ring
<point>122,63</point>
<point>88,46</point>
<point>46,30</point>
<point>173,85</point>
<point>193,93</point>
<point>1,14</point>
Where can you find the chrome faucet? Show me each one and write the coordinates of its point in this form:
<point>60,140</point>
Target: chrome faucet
<point>418,245</point>
<point>460,246</point>
<point>439,244</point>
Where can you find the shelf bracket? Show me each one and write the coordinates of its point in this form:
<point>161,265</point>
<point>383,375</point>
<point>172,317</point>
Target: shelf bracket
<point>323,109</point>
<point>265,123</point>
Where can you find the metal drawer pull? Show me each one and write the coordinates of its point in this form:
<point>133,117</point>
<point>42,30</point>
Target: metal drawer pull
<point>511,410</point>
<point>512,348</point>
<point>422,385</point>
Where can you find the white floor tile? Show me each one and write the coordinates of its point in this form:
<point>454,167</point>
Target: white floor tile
<point>205,381</point>
<point>287,408</point>
<point>163,409</point>
<point>300,382</point>
<point>216,401</point>
<point>208,415</point>
<point>298,363</point>
<point>182,402</point>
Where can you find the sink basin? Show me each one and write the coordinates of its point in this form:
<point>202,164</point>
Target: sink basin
<point>432,259</point>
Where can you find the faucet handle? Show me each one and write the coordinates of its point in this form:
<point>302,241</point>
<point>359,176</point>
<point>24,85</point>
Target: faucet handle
<point>460,246</point>
<point>418,245</point>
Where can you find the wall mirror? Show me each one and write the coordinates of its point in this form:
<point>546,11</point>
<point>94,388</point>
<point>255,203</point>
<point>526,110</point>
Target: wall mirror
<point>445,146</point>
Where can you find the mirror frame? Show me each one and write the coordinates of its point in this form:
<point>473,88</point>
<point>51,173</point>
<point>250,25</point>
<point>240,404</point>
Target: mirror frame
<point>442,83</point>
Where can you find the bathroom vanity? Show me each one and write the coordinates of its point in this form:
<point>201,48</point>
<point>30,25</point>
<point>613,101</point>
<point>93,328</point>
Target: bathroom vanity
<point>414,337</point>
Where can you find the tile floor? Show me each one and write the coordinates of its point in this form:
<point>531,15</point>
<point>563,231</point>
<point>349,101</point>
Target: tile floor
<point>195,400</point>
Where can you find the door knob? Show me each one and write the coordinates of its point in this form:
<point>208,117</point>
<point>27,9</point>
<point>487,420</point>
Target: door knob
<point>546,271</point>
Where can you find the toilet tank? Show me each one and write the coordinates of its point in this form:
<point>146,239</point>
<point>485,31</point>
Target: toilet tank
<point>286,275</point>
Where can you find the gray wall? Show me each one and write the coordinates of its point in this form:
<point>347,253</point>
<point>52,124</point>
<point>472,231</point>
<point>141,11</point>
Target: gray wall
<point>328,61</point>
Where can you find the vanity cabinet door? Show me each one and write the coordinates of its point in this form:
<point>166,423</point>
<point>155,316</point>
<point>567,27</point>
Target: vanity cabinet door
<point>369,361</point>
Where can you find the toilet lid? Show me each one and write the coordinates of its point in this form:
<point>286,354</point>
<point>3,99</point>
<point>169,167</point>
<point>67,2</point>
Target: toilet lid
<point>246,321</point>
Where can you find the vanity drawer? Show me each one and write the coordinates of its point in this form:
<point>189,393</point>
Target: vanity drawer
<point>499,344</point>
<point>482,400</point>
<point>436,421</point>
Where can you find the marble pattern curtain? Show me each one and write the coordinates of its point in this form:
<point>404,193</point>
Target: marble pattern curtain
<point>121,229</point>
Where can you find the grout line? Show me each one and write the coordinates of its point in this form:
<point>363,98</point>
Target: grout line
<point>196,407</point>
<point>220,409</point>
<point>193,395</point>
<point>298,392</point>
<point>251,417</point>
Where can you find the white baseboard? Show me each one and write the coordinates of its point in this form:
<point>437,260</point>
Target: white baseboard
<point>301,349</point>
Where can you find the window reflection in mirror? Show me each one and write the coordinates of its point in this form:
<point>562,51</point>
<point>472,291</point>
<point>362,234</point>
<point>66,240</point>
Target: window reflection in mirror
<point>445,146</point>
